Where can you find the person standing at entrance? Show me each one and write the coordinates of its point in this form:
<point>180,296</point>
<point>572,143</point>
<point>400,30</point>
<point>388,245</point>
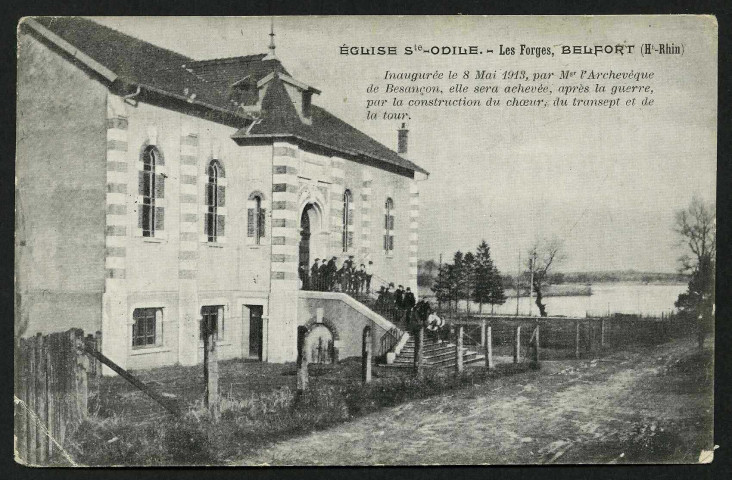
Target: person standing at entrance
<point>331,274</point>
<point>369,274</point>
<point>361,278</point>
<point>323,274</point>
<point>399,302</point>
<point>344,274</point>
<point>315,275</point>
<point>409,302</point>
<point>302,270</point>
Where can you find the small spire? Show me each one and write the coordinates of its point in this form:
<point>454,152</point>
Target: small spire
<point>272,47</point>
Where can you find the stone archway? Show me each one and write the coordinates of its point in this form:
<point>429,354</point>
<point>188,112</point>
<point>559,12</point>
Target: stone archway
<point>321,341</point>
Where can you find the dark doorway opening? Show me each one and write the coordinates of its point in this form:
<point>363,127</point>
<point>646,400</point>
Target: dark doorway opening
<point>255,330</point>
<point>305,236</point>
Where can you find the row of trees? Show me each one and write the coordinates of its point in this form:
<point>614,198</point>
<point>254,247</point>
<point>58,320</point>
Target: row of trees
<point>470,276</point>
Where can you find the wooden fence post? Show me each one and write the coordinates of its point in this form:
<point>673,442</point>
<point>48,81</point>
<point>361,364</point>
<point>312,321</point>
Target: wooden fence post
<point>210,368</point>
<point>42,400</point>
<point>51,348</point>
<point>517,345</point>
<point>535,347</point>
<point>82,375</point>
<point>21,424</point>
<point>418,347</point>
<point>483,326</point>
<point>577,339</point>
<point>302,359</point>
<point>489,348</point>
<point>366,355</point>
<point>459,350</point>
<point>602,334</point>
<point>31,402</point>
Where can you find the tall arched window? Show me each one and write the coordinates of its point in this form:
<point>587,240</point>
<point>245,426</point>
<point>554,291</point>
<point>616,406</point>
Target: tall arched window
<point>389,225</point>
<point>215,201</point>
<point>347,237</point>
<point>151,187</point>
<point>255,218</point>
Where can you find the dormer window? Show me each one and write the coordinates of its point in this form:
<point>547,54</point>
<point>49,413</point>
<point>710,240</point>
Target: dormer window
<point>244,91</point>
<point>307,102</point>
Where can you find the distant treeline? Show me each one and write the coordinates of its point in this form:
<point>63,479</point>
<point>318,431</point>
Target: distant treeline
<point>428,272</point>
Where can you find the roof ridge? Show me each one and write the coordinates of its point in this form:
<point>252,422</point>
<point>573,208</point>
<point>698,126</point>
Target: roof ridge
<point>240,59</point>
<point>118,32</point>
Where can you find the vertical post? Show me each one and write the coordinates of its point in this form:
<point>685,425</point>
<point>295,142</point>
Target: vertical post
<point>459,366</point>
<point>483,325</point>
<point>366,355</point>
<point>517,345</point>
<point>577,339</point>
<point>590,332</point>
<point>489,348</point>
<point>535,347</point>
<point>20,418</point>
<point>82,386</point>
<point>418,347</point>
<point>51,347</point>
<point>302,359</point>
<point>602,334</point>
<point>98,346</point>
<point>42,399</point>
<point>31,402</point>
<point>210,367</point>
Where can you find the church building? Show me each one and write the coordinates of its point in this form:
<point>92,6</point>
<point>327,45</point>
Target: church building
<point>154,190</point>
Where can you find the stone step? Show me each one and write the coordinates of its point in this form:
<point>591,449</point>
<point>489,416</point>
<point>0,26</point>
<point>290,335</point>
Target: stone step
<point>431,348</point>
<point>471,360</point>
<point>427,358</point>
<point>435,358</point>
<point>431,351</point>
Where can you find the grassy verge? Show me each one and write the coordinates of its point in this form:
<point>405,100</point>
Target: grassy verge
<point>250,422</point>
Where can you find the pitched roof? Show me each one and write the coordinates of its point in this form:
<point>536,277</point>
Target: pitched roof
<point>280,119</point>
<point>209,83</point>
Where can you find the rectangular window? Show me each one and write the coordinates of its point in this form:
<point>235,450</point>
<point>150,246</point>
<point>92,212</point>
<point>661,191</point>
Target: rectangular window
<point>213,316</point>
<point>146,327</point>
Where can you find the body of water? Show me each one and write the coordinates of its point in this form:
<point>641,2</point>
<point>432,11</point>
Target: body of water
<point>631,298</point>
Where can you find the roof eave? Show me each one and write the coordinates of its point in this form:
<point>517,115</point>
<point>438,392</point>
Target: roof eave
<point>355,153</point>
<point>71,50</point>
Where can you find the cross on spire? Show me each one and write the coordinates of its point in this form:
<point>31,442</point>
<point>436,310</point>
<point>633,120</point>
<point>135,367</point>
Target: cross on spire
<point>271,40</point>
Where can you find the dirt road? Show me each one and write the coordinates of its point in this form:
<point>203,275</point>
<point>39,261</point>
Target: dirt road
<point>646,405</point>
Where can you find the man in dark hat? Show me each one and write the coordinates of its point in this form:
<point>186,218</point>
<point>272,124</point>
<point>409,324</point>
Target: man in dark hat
<point>409,302</point>
<point>351,271</point>
<point>381,298</point>
<point>399,302</point>
<point>331,274</point>
<point>361,278</point>
<point>369,274</point>
<point>323,274</point>
<point>315,275</point>
<point>302,270</point>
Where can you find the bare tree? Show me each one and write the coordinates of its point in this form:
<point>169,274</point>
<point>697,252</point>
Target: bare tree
<point>696,226</point>
<point>544,255</point>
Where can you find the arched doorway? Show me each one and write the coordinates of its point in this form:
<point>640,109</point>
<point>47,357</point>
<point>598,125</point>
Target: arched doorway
<point>319,345</point>
<point>310,234</point>
<point>305,234</point>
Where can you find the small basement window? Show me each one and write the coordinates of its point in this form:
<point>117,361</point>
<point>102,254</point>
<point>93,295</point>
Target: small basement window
<point>147,327</point>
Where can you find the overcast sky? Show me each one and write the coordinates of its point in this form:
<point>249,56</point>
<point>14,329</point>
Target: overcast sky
<point>605,181</point>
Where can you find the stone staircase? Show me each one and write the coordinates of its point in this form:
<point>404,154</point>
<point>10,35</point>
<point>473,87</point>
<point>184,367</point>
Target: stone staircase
<point>435,355</point>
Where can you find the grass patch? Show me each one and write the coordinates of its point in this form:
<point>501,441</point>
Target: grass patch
<point>252,421</point>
